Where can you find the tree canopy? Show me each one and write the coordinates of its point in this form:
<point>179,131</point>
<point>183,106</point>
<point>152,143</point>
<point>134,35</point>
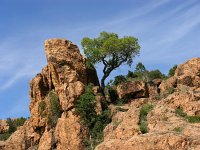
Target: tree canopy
<point>172,71</point>
<point>111,50</point>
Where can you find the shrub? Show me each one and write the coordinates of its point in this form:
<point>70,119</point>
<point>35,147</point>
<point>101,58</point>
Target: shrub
<point>42,106</point>
<point>54,109</point>
<point>193,119</point>
<point>155,74</point>
<point>132,74</point>
<point>143,127</point>
<point>178,129</point>
<point>143,117</point>
<point>85,108</point>
<point>180,112</point>
<point>145,110</point>
<point>119,79</point>
<point>4,136</point>
<point>171,90</point>
<point>13,124</point>
<point>54,103</point>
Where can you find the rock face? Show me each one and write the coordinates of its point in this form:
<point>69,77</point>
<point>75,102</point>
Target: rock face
<point>167,129</point>
<point>189,73</point>
<point>134,89</point>
<point>53,123</point>
<point>3,126</point>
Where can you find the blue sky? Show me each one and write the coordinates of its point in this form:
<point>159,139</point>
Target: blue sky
<point>168,32</point>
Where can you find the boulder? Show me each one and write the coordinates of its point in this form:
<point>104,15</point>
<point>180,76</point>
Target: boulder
<point>69,132</point>
<point>4,127</point>
<point>166,85</point>
<point>188,73</point>
<point>134,89</point>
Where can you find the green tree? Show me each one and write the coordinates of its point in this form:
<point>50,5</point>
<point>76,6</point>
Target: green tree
<point>172,71</point>
<point>140,68</point>
<point>141,71</point>
<point>119,79</point>
<point>12,127</point>
<point>155,74</point>
<point>110,50</point>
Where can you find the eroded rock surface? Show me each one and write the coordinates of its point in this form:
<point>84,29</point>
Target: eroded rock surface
<point>53,123</point>
<point>167,129</point>
<point>3,126</point>
<point>136,89</point>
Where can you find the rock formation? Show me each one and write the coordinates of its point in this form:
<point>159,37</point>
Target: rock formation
<point>167,129</point>
<point>53,123</point>
<point>134,89</point>
<point>3,126</point>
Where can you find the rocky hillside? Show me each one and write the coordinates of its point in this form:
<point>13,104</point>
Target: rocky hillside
<point>158,114</point>
<point>166,118</point>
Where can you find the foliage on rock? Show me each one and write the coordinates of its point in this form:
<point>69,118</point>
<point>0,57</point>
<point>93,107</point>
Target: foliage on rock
<point>143,117</point>
<point>13,124</point>
<point>85,108</point>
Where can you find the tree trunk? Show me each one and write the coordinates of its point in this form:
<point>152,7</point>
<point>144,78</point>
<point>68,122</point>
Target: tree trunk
<point>103,82</point>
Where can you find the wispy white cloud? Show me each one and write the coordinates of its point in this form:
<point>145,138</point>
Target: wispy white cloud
<point>182,25</point>
<point>25,72</point>
<point>139,12</point>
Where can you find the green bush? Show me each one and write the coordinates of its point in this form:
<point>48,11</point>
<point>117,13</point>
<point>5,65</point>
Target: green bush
<point>42,106</point>
<point>85,108</point>
<point>180,112</point>
<point>119,79</point>
<point>193,119</point>
<point>171,90</point>
<point>4,136</point>
<point>13,124</point>
<point>146,108</point>
<point>54,104</point>
<point>132,74</point>
<point>155,74</point>
<point>143,127</point>
<point>178,129</point>
<point>54,108</point>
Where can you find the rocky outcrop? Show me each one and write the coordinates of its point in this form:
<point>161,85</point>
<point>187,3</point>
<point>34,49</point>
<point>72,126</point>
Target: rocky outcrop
<point>168,84</point>
<point>134,89</point>
<point>189,73</point>
<point>4,127</point>
<point>53,123</point>
<point>166,127</point>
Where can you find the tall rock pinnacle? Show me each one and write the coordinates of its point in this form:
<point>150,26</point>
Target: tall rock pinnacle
<point>53,122</point>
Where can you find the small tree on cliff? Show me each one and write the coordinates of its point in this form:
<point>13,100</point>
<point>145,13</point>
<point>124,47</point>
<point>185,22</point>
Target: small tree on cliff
<point>110,50</point>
